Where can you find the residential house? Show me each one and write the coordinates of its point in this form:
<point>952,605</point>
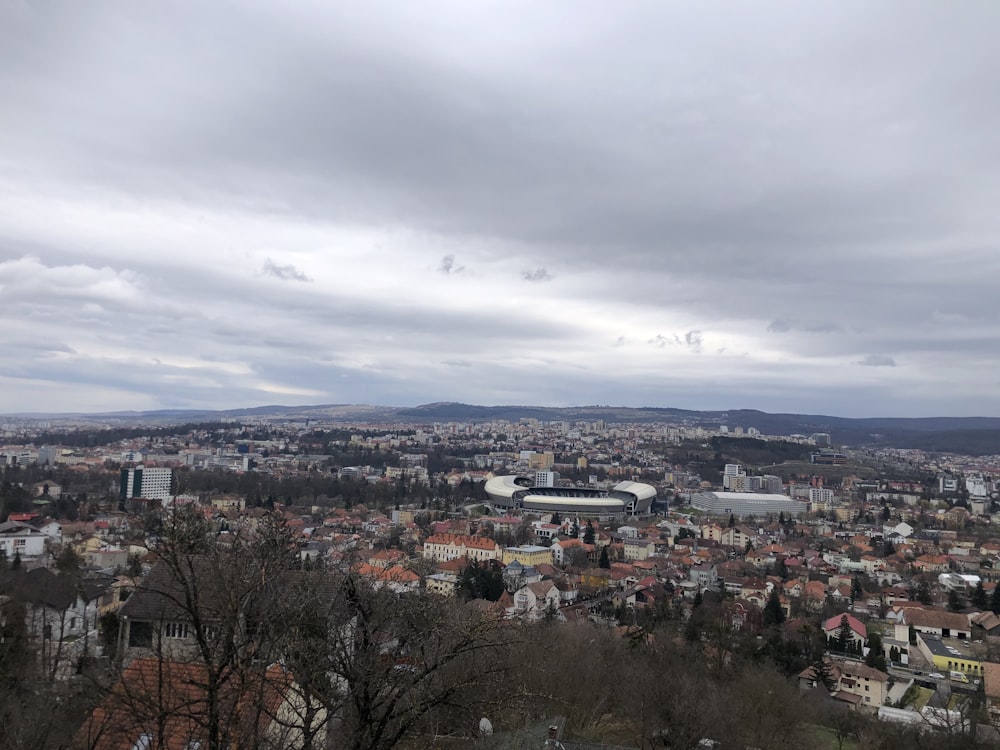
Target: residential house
<point>60,615</point>
<point>517,575</point>
<point>637,548</point>
<point>563,551</point>
<point>165,704</point>
<point>704,576</point>
<point>157,621</point>
<point>737,536</point>
<point>857,633</point>
<point>536,600</point>
<point>854,682</point>
<point>445,584</point>
<point>22,540</point>
<point>813,596</point>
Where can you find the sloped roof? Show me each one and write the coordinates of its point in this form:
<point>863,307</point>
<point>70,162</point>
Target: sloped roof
<point>935,618</point>
<point>149,688</point>
<point>857,626</point>
<point>991,680</point>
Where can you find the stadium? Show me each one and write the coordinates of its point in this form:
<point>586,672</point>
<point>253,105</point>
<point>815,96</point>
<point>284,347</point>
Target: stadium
<point>517,493</point>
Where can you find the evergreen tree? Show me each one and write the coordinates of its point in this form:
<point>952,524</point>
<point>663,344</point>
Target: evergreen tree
<point>876,654</point>
<point>732,520</point>
<point>556,519</point>
<point>979,596</point>
<point>995,600</point>
<point>588,535</point>
<point>844,634</point>
<point>480,581</point>
<point>924,593</point>
<point>955,601</point>
<point>773,612</point>
<point>857,592</point>
<point>894,655</point>
<point>604,561</point>
<point>823,672</point>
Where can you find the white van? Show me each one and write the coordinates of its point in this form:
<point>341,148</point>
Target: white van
<point>958,676</point>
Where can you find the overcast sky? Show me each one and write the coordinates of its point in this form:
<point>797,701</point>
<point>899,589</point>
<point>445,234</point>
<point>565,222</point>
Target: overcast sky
<point>784,206</point>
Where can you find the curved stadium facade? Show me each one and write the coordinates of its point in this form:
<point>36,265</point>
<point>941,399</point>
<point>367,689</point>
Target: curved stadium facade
<point>517,493</point>
<point>743,504</point>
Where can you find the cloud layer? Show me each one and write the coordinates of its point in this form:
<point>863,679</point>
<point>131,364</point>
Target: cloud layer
<point>788,207</point>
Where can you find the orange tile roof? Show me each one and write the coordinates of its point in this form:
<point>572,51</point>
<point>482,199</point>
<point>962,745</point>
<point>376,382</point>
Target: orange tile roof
<point>154,693</point>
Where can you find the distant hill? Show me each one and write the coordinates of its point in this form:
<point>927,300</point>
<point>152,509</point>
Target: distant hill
<point>967,435</point>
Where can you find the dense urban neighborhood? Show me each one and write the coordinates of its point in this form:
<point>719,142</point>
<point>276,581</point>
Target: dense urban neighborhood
<point>273,582</point>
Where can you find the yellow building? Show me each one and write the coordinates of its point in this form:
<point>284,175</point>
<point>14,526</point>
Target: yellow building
<point>528,555</point>
<point>541,461</point>
<point>949,655</point>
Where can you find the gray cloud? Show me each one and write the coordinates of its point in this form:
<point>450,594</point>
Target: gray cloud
<point>779,326</point>
<point>878,360</point>
<point>286,272</point>
<point>539,274</point>
<point>449,266</point>
<point>729,178</point>
<point>692,340</point>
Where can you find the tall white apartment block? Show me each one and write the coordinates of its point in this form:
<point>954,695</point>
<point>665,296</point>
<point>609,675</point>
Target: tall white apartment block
<point>152,483</point>
<point>545,479</point>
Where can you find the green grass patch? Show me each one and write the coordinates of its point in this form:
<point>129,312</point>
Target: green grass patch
<point>923,695</point>
<point>824,738</point>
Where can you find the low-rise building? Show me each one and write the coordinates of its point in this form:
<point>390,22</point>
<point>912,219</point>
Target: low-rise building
<point>950,655</point>
<point>529,555</point>
<point>21,539</point>
<point>443,547</point>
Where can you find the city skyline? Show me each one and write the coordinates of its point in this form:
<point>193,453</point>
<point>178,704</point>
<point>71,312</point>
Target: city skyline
<point>785,207</point>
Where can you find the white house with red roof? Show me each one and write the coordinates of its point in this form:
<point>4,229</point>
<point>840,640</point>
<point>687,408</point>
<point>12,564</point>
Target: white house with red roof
<point>858,631</point>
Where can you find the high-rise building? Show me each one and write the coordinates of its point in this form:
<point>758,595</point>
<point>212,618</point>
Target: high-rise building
<point>545,478</point>
<point>152,483</point>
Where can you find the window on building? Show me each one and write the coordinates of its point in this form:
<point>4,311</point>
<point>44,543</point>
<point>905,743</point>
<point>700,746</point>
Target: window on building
<point>20,542</point>
<point>140,634</point>
<point>175,630</point>
<point>144,742</point>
